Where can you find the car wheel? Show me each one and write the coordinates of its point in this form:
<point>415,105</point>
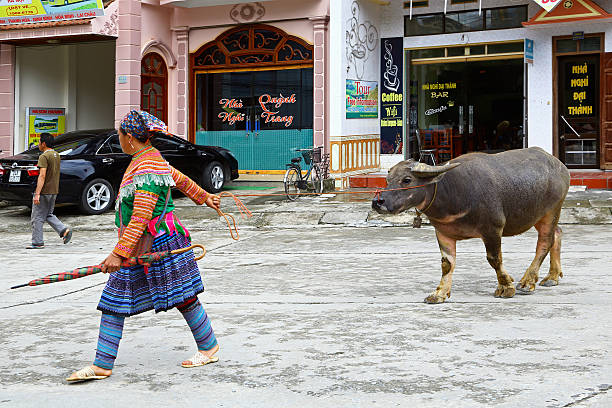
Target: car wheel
<point>213,178</point>
<point>97,197</point>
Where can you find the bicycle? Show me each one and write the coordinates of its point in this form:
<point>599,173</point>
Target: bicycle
<point>294,181</point>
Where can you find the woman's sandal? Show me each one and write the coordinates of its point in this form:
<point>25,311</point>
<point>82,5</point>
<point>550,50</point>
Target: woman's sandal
<point>85,374</point>
<point>199,359</point>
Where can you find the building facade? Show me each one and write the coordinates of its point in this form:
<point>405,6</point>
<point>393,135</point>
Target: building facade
<point>498,75</point>
<point>362,78</point>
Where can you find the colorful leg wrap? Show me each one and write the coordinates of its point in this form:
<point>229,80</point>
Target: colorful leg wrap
<point>111,330</point>
<point>198,321</point>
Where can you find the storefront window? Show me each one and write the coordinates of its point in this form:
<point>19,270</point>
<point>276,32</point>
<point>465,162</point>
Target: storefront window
<point>264,100</point>
<point>503,48</point>
<point>261,116</point>
<point>467,106</point>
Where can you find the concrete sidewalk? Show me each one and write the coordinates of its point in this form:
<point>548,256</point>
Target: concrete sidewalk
<point>590,207</point>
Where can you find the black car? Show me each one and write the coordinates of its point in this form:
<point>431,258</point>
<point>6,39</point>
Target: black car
<point>93,164</point>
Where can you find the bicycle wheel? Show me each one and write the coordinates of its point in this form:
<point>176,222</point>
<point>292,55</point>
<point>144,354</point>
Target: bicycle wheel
<point>317,179</point>
<point>291,179</point>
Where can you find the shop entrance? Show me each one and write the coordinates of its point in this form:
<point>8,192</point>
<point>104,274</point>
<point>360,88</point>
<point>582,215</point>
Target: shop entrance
<point>253,94</point>
<point>466,106</point>
<point>261,116</point>
<point>578,112</point>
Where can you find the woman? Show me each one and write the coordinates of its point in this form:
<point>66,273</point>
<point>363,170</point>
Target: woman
<point>144,214</point>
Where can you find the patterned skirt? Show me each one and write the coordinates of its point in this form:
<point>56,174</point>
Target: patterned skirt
<point>161,286</point>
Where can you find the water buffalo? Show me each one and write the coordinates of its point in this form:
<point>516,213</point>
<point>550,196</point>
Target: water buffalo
<point>487,196</point>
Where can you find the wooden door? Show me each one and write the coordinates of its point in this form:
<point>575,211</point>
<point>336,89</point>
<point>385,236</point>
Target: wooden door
<point>579,110</point>
<point>154,86</point>
<point>606,117</point>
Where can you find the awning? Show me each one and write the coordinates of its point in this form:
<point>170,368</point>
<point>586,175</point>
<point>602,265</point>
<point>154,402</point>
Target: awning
<point>569,11</point>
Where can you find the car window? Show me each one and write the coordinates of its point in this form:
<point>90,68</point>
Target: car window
<point>111,145</point>
<point>164,143</point>
<point>74,147</point>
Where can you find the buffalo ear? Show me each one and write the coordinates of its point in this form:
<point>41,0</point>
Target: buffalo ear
<point>431,174</point>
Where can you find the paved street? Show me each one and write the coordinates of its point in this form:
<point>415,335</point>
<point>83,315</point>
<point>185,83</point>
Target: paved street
<point>313,311</point>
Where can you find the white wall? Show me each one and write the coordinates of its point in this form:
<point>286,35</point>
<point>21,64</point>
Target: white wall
<point>78,77</point>
<point>95,92</point>
<point>341,68</point>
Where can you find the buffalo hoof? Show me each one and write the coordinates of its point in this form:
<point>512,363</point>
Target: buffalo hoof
<point>434,298</point>
<point>549,282</point>
<point>525,289</point>
<point>505,291</point>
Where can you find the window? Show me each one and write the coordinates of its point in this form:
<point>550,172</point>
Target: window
<point>423,25</point>
<point>566,45</point>
<point>166,144</point>
<point>464,21</point>
<point>417,3</point>
<point>111,145</point>
<point>503,48</point>
<point>506,17</point>
<point>254,100</point>
<point>510,49</point>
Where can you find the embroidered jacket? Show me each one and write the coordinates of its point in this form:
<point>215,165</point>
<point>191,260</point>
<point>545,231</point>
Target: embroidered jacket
<point>142,196</point>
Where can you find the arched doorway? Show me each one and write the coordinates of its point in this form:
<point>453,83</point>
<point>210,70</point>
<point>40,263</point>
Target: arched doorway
<point>253,94</point>
<point>154,86</point>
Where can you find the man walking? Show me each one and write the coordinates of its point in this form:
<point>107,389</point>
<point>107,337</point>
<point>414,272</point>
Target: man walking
<point>45,194</point>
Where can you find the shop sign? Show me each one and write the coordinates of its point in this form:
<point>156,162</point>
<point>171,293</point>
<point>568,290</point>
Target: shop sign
<point>41,120</point>
<point>528,51</point>
<point>582,90</point>
<point>548,5</point>
<point>391,95</point>
<point>361,99</point>
<point>43,11</point>
<point>270,105</point>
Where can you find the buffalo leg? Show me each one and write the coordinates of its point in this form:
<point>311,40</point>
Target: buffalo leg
<point>555,261</point>
<point>448,249</point>
<point>505,287</point>
<point>546,236</point>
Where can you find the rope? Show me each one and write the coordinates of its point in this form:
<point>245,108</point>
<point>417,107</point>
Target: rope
<point>245,212</point>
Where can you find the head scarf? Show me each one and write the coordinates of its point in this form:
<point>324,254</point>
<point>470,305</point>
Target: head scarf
<point>141,124</point>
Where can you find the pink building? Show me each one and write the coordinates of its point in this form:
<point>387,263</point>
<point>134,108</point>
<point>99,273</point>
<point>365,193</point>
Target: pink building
<point>260,78</point>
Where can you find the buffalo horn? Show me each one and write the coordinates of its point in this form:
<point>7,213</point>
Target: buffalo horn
<point>423,170</point>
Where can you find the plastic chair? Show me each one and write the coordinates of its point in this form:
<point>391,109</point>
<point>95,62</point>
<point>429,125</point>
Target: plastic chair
<point>428,142</point>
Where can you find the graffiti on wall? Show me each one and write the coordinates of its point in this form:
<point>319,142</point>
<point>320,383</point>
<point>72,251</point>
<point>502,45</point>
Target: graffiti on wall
<point>361,41</point>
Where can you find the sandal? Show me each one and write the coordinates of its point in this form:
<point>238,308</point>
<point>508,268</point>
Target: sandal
<point>67,236</point>
<point>200,359</point>
<point>85,374</point>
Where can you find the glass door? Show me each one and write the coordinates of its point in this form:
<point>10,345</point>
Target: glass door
<point>578,91</point>
<point>261,116</point>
